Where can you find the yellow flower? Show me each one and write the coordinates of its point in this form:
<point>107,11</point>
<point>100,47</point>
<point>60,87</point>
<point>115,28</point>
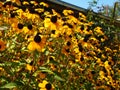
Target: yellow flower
<point>17,27</point>
<point>27,29</point>
<point>72,20</point>
<point>37,44</point>
<point>32,46</point>
<point>25,3</point>
<point>44,4</point>
<point>67,12</point>
<point>98,31</point>
<point>46,85</point>
<point>1,69</point>
<point>82,16</point>
<point>49,24</point>
<point>102,75</point>
<point>2,45</point>
<point>99,62</point>
<point>103,56</point>
<point>108,49</point>
<point>34,2</point>
<point>29,67</point>
<point>107,66</point>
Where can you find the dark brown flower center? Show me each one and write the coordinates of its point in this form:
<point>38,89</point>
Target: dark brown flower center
<point>48,86</point>
<point>82,27</point>
<point>37,39</point>
<point>20,26</point>
<point>80,47</point>
<point>51,59</point>
<point>29,27</point>
<point>54,19</point>
<point>67,50</point>
<point>53,31</point>
<point>68,43</point>
<point>12,15</point>
<point>87,37</point>
<point>93,72</point>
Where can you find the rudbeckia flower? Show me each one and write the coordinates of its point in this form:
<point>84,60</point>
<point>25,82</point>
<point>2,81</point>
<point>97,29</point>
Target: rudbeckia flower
<point>49,24</point>
<point>37,43</point>
<point>44,4</point>
<point>102,75</point>
<point>25,29</point>
<point>25,3</point>
<point>82,17</point>
<point>46,85</point>
<point>67,12</point>
<point>2,45</point>
<point>34,2</point>
<point>98,31</point>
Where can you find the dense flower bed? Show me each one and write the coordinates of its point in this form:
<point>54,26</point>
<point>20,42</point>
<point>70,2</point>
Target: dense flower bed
<point>43,49</point>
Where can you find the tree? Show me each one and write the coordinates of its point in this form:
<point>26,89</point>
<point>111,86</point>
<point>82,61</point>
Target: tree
<point>111,11</point>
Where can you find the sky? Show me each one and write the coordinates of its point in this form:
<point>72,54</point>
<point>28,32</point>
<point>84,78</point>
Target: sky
<point>85,4</point>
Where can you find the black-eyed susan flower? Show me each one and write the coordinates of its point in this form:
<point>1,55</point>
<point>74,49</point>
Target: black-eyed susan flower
<point>98,31</point>
<point>37,43</point>
<point>2,45</point>
<point>25,3</point>
<point>82,17</point>
<point>49,24</point>
<point>26,30</point>
<point>102,75</point>
<point>17,27</point>
<point>12,17</point>
<point>46,85</point>
<point>32,46</point>
<point>67,12</point>
<point>44,4</point>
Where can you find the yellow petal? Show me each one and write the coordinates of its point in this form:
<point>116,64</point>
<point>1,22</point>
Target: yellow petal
<point>31,46</point>
<point>28,67</point>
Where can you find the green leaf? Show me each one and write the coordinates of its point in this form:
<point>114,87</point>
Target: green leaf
<point>43,69</point>
<point>58,78</point>
<point>9,85</point>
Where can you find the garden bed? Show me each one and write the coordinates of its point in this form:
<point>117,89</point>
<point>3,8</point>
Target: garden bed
<point>41,48</point>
